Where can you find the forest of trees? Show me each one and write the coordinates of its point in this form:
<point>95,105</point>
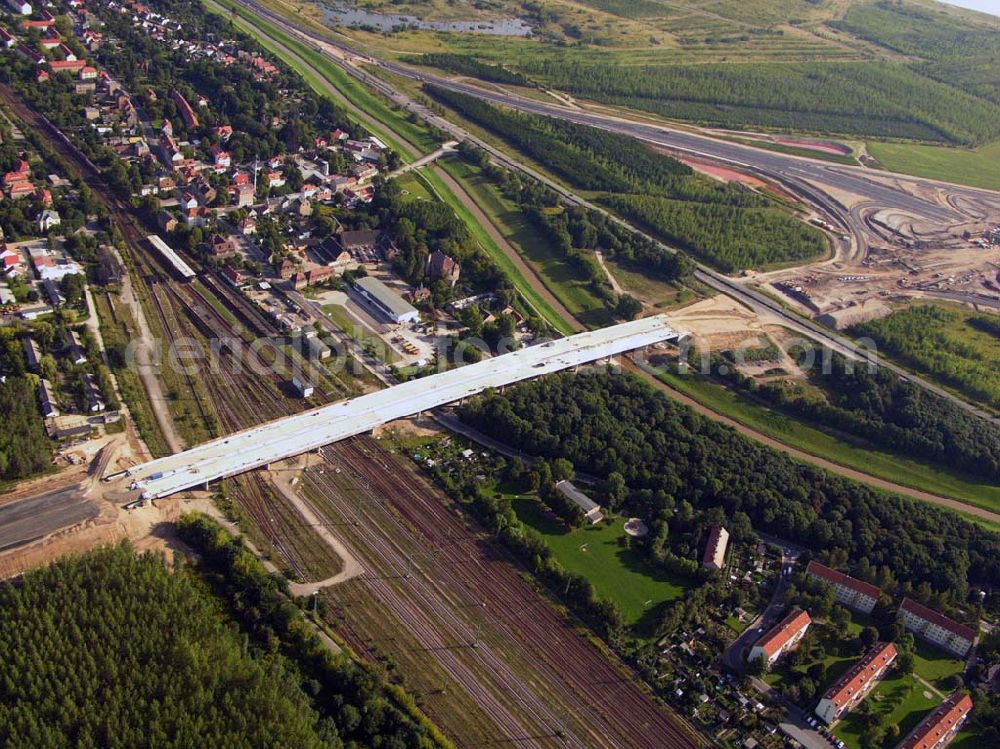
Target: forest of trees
<point>724,225</point>
<point>948,50</point>
<point>112,650</point>
<point>353,700</point>
<point>573,229</point>
<point>730,238</point>
<point>25,448</point>
<point>928,338</point>
<point>886,100</point>
<point>619,428</point>
<point>889,412</point>
<point>469,65</point>
<point>588,157</point>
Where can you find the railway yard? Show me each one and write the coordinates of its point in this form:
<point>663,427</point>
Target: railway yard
<point>491,657</point>
<point>388,564</point>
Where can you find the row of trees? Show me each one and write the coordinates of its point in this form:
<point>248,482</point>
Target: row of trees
<point>667,455</point>
<point>591,158</point>
<point>726,225</point>
<point>952,50</point>
<point>354,702</point>
<point>418,228</point>
<point>469,65</point>
<point>888,100</point>
<point>572,229</point>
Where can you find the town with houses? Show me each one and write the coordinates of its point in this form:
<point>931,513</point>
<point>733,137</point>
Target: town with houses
<point>208,199</point>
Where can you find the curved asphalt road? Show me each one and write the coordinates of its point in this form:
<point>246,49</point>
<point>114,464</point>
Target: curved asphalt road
<point>791,170</point>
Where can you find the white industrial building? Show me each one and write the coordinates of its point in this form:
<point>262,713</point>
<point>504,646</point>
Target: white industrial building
<point>386,301</point>
<point>591,510</point>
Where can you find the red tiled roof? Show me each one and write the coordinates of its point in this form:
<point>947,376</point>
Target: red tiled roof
<point>932,616</point>
<point>834,577</point>
<point>67,64</point>
<point>783,631</point>
<point>945,717</point>
<point>860,674</point>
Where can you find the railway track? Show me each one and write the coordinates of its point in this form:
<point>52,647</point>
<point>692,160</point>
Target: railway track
<point>574,675</point>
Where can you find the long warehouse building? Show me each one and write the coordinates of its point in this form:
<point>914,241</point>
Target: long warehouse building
<point>312,429</point>
<point>170,255</point>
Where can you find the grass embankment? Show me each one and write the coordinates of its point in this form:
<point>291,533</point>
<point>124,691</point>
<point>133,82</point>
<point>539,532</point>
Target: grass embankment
<point>900,699</point>
<point>370,343</point>
<point>496,253</point>
<point>978,168</point>
<point>560,277</point>
<point>814,441</point>
<point>904,699</point>
<point>116,335</point>
<point>600,554</point>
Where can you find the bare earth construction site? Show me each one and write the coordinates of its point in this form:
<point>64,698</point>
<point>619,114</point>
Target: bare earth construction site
<point>944,251</point>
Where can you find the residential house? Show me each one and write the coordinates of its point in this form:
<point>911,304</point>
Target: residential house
<point>187,113</point>
<point>941,726</point>
<point>781,638</point>
<point>851,592</point>
<point>50,407</point>
<point>48,219</point>
<point>441,267</point>
<point>936,628</point>
<point>714,557</point>
<point>851,688</point>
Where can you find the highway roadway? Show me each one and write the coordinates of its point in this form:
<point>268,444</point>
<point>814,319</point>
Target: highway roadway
<point>309,430</point>
<point>799,174</point>
<point>35,517</point>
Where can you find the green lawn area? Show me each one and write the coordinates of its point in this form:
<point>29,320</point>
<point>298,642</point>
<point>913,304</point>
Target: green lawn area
<point>816,442</point>
<point>534,299</point>
<point>935,665</point>
<point>413,187</point>
<point>838,656</point>
<point>979,168</point>
<point>560,277</point>
<point>658,294</point>
<point>900,699</point>
<point>616,572</point>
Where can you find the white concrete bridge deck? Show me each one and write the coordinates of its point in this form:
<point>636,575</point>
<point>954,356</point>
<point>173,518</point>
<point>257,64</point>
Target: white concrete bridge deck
<point>293,435</point>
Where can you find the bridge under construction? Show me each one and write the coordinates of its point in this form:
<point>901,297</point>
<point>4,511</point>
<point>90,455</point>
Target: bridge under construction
<point>309,430</point>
